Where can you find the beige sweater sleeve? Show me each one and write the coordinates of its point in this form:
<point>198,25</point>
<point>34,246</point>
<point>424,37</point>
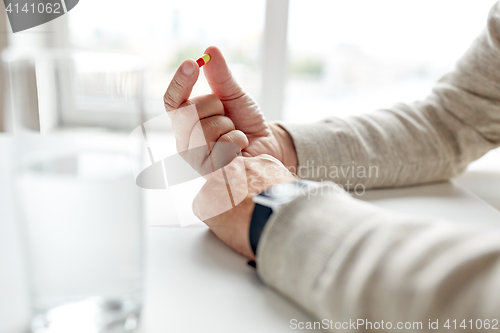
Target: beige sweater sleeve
<point>426,141</point>
<point>343,260</point>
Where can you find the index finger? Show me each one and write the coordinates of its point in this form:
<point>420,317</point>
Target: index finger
<point>181,85</point>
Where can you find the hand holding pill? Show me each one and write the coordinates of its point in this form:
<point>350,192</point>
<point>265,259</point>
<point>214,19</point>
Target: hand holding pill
<point>229,114</point>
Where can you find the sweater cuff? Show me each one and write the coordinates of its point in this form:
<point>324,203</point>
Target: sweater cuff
<point>305,140</point>
<point>316,147</point>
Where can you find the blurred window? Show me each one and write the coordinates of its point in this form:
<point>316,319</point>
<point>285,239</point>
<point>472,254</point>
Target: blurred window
<point>352,57</point>
<point>344,57</point>
<point>168,32</point>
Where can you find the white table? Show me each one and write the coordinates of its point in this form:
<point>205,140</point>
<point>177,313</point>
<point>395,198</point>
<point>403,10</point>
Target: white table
<point>196,284</point>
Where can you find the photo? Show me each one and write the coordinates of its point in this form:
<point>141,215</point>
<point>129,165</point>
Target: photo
<point>264,166</point>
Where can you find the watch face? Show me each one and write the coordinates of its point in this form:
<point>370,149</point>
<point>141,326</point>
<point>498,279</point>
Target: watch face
<point>283,193</point>
<point>285,190</point>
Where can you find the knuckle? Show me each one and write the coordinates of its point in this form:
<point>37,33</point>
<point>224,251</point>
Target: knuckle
<point>231,137</point>
<point>187,103</point>
<point>214,98</point>
<point>209,125</point>
<point>213,123</point>
<point>178,84</point>
<point>169,100</point>
<point>172,92</point>
<point>267,158</point>
<point>225,138</point>
<point>264,157</point>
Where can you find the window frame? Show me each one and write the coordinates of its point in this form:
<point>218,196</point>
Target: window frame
<point>3,45</point>
<point>274,59</point>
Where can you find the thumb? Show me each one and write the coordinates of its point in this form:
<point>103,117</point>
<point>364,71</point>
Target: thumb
<point>219,76</point>
<point>181,85</point>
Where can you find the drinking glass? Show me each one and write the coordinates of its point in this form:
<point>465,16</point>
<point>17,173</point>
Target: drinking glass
<point>75,196</point>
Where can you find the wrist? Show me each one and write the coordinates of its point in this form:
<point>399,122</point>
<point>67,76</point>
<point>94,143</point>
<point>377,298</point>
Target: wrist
<point>285,142</point>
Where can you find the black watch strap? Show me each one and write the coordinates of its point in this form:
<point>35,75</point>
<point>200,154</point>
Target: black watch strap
<point>270,201</point>
<point>259,219</point>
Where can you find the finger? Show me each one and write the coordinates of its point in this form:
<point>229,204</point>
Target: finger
<point>181,85</point>
<point>236,137</point>
<point>219,76</point>
<point>207,130</point>
<point>224,142</point>
<point>206,133</point>
<point>226,149</point>
<point>185,120</point>
<point>216,126</point>
<point>207,106</point>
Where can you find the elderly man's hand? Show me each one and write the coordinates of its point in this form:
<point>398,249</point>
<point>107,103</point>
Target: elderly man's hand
<point>229,115</point>
<point>255,173</point>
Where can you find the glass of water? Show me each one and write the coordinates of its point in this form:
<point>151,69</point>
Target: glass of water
<point>79,209</point>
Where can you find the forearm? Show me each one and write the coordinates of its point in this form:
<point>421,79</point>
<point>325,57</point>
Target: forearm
<point>340,259</point>
<point>426,141</point>
<point>405,145</point>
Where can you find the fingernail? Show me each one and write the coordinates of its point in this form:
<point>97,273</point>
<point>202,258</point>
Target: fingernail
<point>187,68</point>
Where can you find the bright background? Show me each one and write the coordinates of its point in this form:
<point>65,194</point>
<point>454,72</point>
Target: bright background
<point>168,32</point>
<point>344,57</point>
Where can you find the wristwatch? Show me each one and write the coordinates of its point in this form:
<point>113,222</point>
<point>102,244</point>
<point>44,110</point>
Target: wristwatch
<point>270,202</point>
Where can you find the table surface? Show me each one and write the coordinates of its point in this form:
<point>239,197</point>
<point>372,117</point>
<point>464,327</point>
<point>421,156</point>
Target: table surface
<point>195,283</point>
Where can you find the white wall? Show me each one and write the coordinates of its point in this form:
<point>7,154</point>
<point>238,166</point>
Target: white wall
<point>3,44</point>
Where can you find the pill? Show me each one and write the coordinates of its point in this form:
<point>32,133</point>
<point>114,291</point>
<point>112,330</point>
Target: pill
<point>203,60</point>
